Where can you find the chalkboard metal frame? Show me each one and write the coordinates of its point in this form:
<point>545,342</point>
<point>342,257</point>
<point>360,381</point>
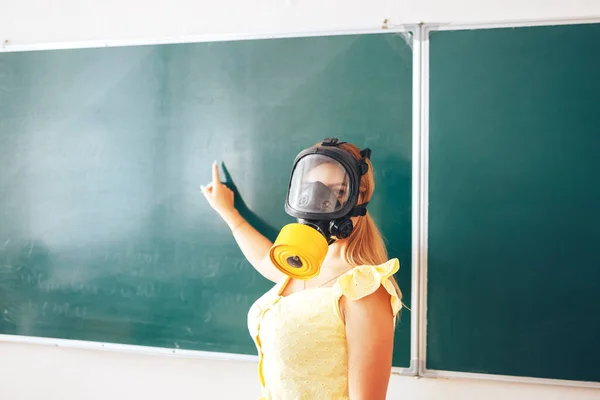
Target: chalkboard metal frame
<point>423,167</point>
<point>411,33</point>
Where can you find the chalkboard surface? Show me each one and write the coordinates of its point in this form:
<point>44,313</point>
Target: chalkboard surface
<point>104,233</point>
<point>514,202</point>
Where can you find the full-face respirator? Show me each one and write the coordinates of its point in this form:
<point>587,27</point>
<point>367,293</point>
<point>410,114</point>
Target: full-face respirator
<point>322,195</point>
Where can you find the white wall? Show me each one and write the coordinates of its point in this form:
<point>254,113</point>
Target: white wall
<point>29,372</point>
<point>25,22</point>
<point>36,372</point>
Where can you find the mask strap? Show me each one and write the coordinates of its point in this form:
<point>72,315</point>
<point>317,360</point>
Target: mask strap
<point>333,142</point>
<point>364,167</point>
<point>359,210</point>
<point>364,153</point>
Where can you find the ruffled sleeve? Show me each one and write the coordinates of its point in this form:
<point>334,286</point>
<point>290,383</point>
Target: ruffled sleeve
<point>363,280</point>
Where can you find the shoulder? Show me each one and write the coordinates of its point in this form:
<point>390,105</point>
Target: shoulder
<point>369,289</point>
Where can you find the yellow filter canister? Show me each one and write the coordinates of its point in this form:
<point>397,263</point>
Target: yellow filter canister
<point>299,251</point>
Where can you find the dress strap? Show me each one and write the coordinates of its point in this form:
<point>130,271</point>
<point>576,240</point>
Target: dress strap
<point>283,284</point>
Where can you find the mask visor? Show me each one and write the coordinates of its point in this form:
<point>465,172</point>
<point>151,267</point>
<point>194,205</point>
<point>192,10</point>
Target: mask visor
<point>319,185</point>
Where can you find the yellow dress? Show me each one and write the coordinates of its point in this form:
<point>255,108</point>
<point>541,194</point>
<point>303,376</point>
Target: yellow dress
<point>301,337</point>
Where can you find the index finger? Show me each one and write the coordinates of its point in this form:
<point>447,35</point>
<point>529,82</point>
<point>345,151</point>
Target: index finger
<point>215,174</point>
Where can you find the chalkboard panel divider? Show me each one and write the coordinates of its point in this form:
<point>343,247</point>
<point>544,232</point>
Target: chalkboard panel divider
<point>417,195</point>
<point>422,201</point>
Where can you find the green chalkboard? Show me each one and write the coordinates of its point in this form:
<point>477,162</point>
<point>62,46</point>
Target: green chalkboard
<point>514,202</point>
<point>104,233</point>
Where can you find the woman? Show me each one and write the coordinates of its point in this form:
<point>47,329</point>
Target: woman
<point>331,336</point>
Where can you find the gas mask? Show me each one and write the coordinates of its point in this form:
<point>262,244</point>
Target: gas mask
<point>322,195</point>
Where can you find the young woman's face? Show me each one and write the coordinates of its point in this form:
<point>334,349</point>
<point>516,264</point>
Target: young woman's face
<point>331,175</point>
<point>334,177</point>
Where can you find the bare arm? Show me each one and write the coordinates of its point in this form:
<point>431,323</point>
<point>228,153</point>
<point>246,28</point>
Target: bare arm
<point>253,245</point>
<point>370,339</point>
<point>251,242</point>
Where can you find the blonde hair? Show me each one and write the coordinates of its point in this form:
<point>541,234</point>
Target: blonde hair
<point>366,246</point>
